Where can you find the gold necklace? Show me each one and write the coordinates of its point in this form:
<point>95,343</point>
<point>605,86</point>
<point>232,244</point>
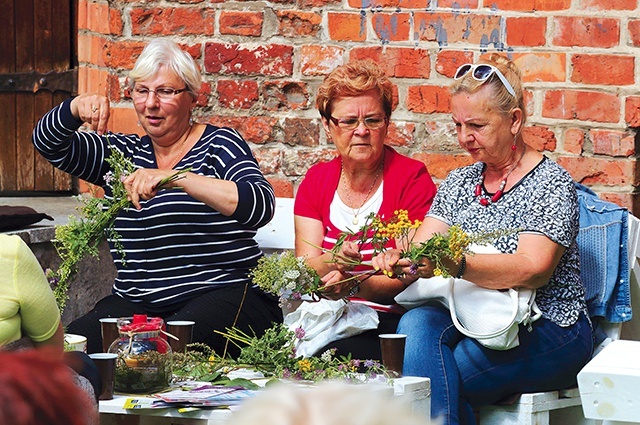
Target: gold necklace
<point>348,192</point>
<point>178,157</point>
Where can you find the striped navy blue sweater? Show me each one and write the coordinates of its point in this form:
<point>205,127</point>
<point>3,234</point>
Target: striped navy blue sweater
<point>176,247</point>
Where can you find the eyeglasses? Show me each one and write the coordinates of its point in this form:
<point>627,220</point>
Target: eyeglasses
<point>372,123</point>
<point>163,94</point>
<point>482,72</point>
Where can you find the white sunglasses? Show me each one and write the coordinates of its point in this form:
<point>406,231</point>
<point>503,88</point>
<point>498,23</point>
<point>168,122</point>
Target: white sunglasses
<point>482,72</point>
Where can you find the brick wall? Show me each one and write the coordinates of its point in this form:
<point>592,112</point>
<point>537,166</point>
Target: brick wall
<point>262,63</point>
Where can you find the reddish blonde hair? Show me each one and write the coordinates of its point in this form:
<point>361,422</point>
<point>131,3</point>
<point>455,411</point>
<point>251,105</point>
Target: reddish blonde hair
<point>352,79</point>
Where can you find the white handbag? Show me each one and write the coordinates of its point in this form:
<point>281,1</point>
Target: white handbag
<point>490,316</point>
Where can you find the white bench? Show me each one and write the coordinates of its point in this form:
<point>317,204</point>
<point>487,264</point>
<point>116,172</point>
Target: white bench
<point>566,407</point>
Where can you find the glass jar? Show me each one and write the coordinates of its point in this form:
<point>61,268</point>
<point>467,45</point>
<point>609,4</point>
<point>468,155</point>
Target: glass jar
<point>144,355</point>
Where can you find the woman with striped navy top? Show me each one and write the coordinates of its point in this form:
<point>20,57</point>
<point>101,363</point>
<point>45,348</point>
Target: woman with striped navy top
<point>188,252</point>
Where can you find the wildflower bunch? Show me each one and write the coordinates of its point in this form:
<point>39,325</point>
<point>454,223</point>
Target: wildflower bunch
<point>286,276</point>
<point>453,245</point>
<point>274,354</point>
<point>81,235</point>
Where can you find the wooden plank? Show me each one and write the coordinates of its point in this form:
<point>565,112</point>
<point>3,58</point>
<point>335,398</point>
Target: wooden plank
<point>61,41</point>
<point>43,170</point>
<point>25,36</point>
<point>61,181</point>
<point>43,36</point>
<point>25,151</point>
<point>7,117</point>
<point>8,159</point>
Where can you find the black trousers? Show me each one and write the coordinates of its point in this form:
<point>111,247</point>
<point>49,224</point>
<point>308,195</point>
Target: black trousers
<point>215,309</point>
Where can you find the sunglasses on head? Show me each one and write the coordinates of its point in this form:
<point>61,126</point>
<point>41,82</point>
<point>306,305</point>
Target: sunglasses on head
<point>482,72</point>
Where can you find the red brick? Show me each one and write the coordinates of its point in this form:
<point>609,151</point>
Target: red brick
<point>450,28</point>
<point>397,61</point>
<point>537,67</point>
<point>345,26</point>
<point>626,200</point>
<point>203,96</point>
<point>296,163</point>
<point>573,141</point>
<point>301,132</point>
<point>398,4</point>
<point>270,160</point>
<point>577,31</point>
<point>283,188</point>
<point>448,61</point>
<point>400,135</point>
<point>439,165</point>
<point>273,59</point>
<point>581,105</point>
<point>599,171</point>
<point>98,17</point>
<point>168,21</point>
<point>612,143</point>
<point>115,22</point>
<point>237,94</point>
<point>124,120</point>
<point>391,26</point>
<point>285,95</point>
<point>526,31</point>
<point>254,129</point>
<point>531,5</point>
<point>540,138</point>
<point>293,23</point>
<point>607,5</point>
<point>428,99</point>
<point>634,32</point>
<point>320,60</point>
<point>632,111</point>
<point>603,69</point>
<point>245,23</point>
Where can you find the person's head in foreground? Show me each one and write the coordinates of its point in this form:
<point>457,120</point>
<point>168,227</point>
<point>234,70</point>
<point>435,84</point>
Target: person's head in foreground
<point>330,403</point>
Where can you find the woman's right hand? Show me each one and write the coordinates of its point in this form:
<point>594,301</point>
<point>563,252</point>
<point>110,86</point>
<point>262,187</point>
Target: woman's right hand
<point>93,109</point>
<point>349,253</point>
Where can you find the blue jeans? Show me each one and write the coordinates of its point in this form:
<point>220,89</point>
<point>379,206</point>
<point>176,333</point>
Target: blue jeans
<point>465,374</point>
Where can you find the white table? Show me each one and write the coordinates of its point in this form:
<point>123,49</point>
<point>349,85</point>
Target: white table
<point>417,390</point>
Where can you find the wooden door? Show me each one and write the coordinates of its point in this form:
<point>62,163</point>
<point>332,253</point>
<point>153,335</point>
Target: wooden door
<point>37,61</point>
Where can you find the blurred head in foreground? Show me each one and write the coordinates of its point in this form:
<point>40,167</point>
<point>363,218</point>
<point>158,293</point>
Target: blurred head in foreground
<point>37,388</point>
<point>326,404</point>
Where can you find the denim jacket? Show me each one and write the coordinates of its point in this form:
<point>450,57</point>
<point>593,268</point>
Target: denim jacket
<point>604,264</point>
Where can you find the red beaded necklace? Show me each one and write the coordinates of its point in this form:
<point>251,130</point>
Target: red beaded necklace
<point>486,200</point>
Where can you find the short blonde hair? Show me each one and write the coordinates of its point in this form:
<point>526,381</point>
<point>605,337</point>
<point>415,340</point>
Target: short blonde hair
<point>162,52</point>
<point>352,79</point>
<point>503,101</point>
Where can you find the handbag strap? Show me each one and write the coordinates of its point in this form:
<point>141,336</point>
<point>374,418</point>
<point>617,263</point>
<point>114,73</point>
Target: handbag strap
<point>515,301</point>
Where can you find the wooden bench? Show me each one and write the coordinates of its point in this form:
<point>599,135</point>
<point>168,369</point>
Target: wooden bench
<point>565,407</point>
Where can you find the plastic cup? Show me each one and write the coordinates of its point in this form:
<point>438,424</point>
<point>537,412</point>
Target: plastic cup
<point>183,330</point>
<point>109,327</point>
<point>106,364</point>
<point>76,342</point>
<point>392,347</point>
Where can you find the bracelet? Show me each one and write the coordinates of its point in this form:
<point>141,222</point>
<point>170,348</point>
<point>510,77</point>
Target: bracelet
<point>462,268</point>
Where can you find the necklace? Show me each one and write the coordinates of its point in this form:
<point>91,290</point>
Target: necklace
<point>485,200</point>
<point>348,192</point>
<point>175,159</point>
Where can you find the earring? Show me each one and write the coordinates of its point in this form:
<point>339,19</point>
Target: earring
<point>513,146</point>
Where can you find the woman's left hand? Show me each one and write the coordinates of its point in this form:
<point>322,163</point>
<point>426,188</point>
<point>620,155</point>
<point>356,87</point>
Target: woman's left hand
<point>143,184</point>
<point>338,285</point>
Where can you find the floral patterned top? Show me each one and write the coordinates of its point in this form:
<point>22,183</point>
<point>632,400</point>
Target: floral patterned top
<point>544,201</point>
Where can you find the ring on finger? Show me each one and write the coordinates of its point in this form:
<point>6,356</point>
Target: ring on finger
<point>94,109</point>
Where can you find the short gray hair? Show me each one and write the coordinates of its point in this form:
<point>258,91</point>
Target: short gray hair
<point>164,52</point>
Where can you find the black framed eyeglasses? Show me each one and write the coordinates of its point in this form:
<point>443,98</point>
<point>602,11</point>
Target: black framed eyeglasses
<point>162,93</point>
<point>482,72</point>
<point>372,123</point>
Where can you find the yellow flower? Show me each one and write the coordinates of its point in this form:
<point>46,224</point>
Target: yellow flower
<point>304,365</point>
